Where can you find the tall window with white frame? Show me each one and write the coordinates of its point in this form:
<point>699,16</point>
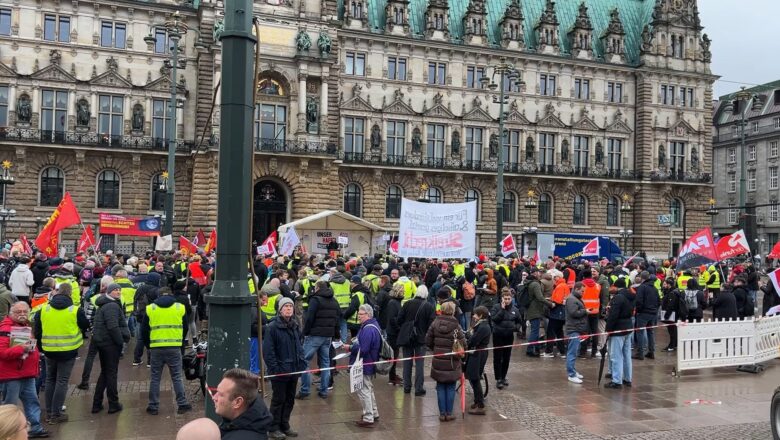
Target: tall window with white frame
<point>772,148</point>
<point>512,149</point>
<point>355,64</point>
<point>110,118</point>
<point>393,197</point>
<point>56,28</point>
<point>732,155</point>
<point>271,125</point>
<point>472,195</point>
<point>614,155</point>
<point>613,211</point>
<point>161,119</point>
<point>437,73</point>
<point>580,216</point>
<point>751,180</point>
<point>473,76</point>
<point>733,214</point>
<point>510,207</point>
<point>396,68</point>
<point>5,21</point>
<point>545,207</point>
<point>474,137</point>
<point>108,184</point>
<point>547,84</point>
<point>614,91</point>
<point>353,199</point>
<point>581,150</point>
<point>161,43</point>
<point>677,159</point>
<point>3,106</point>
<point>732,185</point>
<point>676,210</point>
<point>354,137</point>
<point>777,123</point>
<point>435,145</point>
<point>751,153</point>
<point>582,89</point>
<point>396,141</point>
<point>113,34</point>
<point>546,150</point>
<point>54,114</point>
<point>774,212</point>
<point>772,171</point>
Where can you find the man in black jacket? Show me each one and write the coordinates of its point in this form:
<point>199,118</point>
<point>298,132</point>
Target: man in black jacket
<point>319,329</point>
<point>244,414</point>
<point>110,333</point>
<point>647,304</point>
<point>415,318</point>
<point>619,324</point>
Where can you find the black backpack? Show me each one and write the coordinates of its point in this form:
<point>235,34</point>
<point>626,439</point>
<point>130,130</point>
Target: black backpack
<point>523,297</point>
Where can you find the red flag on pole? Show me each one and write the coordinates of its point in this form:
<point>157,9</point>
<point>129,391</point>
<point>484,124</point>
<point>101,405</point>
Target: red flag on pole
<point>775,253</point>
<point>732,245</point>
<point>200,239</point>
<point>591,249</point>
<point>508,245</point>
<point>86,240</point>
<point>212,242</point>
<point>25,244</point>
<point>697,250</point>
<point>269,245</point>
<point>186,246</point>
<point>64,215</point>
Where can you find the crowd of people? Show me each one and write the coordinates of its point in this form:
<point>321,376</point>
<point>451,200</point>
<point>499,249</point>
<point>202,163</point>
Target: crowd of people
<point>377,308</point>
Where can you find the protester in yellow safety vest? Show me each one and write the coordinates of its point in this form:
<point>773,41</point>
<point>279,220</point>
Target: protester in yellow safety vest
<point>372,279</point>
<point>65,275</point>
<point>410,288</point>
<point>704,276</point>
<point>272,291</point>
<point>713,284</point>
<point>305,286</point>
<point>459,269</point>
<point>58,329</point>
<point>359,296</point>
<point>682,280</point>
<point>341,291</point>
<point>128,293</point>
<point>163,328</point>
<point>180,269</point>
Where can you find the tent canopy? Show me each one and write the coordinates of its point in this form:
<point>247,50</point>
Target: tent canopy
<point>333,220</point>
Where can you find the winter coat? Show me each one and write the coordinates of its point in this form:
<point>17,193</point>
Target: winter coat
<point>60,302</point>
<point>505,320</point>
<point>745,306</point>
<point>21,281</point>
<point>647,300</point>
<point>322,318</point>
<point>701,300</point>
<point>548,285</point>
<point>39,270</point>
<point>479,339</point>
<point>110,327</point>
<point>283,348</point>
<point>164,301</point>
<point>382,299</point>
<point>770,300</point>
<point>12,366</point>
<point>576,315</point>
<point>393,311</point>
<point>673,303</point>
<point>368,343</point>
<point>7,299</point>
<point>423,319</point>
<point>538,301</point>
<point>724,305</point>
<point>620,312</point>
<point>440,339</point>
<point>252,424</point>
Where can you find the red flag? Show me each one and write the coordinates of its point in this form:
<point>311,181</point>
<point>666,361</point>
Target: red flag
<point>186,246</point>
<point>775,251</point>
<point>64,215</point>
<point>591,249</point>
<point>775,277</point>
<point>698,250</point>
<point>732,245</point>
<point>25,244</point>
<point>212,242</point>
<point>269,245</point>
<point>508,245</point>
<point>394,245</point>
<point>200,239</point>
<point>86,240</point>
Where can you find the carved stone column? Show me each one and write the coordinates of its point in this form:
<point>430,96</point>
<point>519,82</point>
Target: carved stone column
<point>301,102</point>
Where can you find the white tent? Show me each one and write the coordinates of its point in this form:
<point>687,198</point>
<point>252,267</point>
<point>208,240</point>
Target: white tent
<point>316,231</point>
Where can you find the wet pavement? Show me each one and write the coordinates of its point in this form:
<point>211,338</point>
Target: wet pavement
<point>538,404</point>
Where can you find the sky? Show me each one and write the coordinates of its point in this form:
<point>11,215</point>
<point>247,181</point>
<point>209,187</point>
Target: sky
<point>744,41</point>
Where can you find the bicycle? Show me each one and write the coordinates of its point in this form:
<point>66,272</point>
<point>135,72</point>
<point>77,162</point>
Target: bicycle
<point>194,361</point>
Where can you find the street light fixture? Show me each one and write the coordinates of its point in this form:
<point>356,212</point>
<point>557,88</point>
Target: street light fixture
<point>712,210</point>
<point>625,234</point>
<point>625,207</point>
<point>506,72</point>
<point>530,202</point>
<point>5,215</point>
<point>175,29</point>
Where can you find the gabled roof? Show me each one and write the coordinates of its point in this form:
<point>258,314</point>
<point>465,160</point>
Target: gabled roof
<point>331,220</point>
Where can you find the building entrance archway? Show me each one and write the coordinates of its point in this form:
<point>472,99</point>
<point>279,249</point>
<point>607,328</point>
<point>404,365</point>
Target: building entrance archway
<point>269,208</point>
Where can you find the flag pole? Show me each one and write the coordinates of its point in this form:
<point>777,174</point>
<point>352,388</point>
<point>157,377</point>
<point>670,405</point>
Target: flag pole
<point>91,244</point>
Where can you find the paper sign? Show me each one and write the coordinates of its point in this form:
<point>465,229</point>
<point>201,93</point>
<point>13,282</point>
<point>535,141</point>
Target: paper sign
<point>343,240</point>
<point>356,375</point>
<point>437,230</point>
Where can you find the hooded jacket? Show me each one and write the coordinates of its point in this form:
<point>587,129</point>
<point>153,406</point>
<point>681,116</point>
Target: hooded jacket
<point>576,315</point>
<point>253,424</point>
<point>504,320</point>
<point>621,309</point>
<point>21,281</point>
<point>369,342</point>
<point>322,318</point>
<point>110,327</point>
<point>12,366</point>
<point>39,270</point>
<point>440,339</point>
<point>283,348</point>
<point>647,300</point>
<point>538,301</point>
<point>60,302</point>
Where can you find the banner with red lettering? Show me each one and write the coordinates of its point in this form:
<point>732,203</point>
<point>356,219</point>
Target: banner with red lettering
<point>732,245</point>
<point>508,245</point>
<point>437,230</point>
<point>698,250</point>
<point>112,224</point>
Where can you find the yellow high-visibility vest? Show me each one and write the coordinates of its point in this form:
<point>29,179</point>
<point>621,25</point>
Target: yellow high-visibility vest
<point>270,308</point>
<point>60,329</point>
<point>341,293</point>
<point>353,319</point>
<point>165,324</point>
<point>75,289</point>
<point>128,295</point>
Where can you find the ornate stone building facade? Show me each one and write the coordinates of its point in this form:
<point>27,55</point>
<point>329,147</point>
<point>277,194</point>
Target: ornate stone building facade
<point>363,102</point>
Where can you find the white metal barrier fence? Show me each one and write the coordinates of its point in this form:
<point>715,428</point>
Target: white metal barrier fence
<point>710,344</point>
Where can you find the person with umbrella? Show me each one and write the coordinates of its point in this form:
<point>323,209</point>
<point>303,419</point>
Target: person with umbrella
<point>619,326</point>
<point>576,324</point>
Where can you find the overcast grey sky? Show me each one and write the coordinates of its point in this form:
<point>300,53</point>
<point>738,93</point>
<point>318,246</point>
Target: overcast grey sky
<point>744,41</point>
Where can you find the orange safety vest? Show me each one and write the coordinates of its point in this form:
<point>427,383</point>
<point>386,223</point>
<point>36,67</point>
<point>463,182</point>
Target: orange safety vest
<point>572,278</point>
<point>590,297</point>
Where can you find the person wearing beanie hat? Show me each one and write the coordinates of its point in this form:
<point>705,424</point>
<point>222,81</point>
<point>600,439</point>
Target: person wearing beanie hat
<point>283,354</point>
<point>414,319</point>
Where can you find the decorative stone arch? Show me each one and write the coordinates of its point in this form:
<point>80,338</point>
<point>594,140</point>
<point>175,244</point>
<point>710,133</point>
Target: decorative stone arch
<point>43,168</point>
<point>270,77</point>
<point>118,173</point>
<point>265,195</point>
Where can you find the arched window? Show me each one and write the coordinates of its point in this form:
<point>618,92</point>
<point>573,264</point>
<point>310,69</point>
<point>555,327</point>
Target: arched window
<point>434,195</point>
<point>580,216</point>
<point>545,209</point>
<point>52,186</point>
<point>269,86</point>
<point>158,196</point>
<point>393,197</point>
<point>676,209</point>
<point>352,199</point>
<point>108,189</point>
<point>510,207</point>
<point>472,195</point>
<point>613,211</point>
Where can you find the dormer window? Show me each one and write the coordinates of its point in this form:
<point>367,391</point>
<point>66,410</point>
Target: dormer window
<point>398,14</point>
<point>438,21</point>
<point>678,46</point>
<point>356,10</point>
<point>514,31</point>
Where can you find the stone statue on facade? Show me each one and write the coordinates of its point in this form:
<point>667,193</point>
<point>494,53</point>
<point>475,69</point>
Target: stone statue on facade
<point>530,150</point>
<point>219,28</point>
<point>376,137</point>
<point>599,154</point>
<point>324,44</point>
<point>82,113</point>
<point>137,122</point>
<point>456,143</point>
<point>312,115</point>
<point>55,57</point>
<point>565,151</point>
<point>416,141</point>
<point>661,157</point>
<point>302,41</point>
<point>694,159</point>
<point>24,109</point>
<point>493,145</point>
<point>647,39</point>
<point>705,48</point>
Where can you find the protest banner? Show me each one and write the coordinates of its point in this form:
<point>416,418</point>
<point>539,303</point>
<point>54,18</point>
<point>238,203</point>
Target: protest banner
<point>437,230</point>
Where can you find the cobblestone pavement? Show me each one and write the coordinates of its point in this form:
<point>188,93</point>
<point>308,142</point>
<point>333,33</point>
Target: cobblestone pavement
<point>538,404</point>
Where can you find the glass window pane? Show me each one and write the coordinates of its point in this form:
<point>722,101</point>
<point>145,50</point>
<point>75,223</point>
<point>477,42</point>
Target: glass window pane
<point>116,125</point>
<point>49,27</point>
<point>119,36</point>
<point>281,113</point>
<point>47,98</point>
<point>116,106</point>
<point>64,35</point>
<point>106,34</point>
<point>105,103</point>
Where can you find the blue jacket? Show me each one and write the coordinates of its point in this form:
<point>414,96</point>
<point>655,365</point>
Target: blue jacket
<point>369,342</point>
<point>283,348</point>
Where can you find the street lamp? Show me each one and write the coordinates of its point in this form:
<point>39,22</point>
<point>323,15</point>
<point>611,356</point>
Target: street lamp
<point>530,202</point>
<point>5,179</point>
<point>624,234</point>
<point>712,210</point>
<point>507,72</point>
<point>175,29</point>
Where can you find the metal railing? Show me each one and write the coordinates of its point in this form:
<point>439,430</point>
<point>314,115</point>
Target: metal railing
<point>89,139</point>
<point>265,145</point>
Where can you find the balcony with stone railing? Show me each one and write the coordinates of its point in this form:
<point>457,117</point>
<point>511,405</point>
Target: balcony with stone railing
<point>89,139</point>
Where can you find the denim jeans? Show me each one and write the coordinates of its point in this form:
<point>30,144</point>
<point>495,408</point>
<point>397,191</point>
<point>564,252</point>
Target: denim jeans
<point>138,352</point>
<point>533,336</point>
<point>319,345</point>
<point>343,330</point>
<point>170,356</point>
<point>620,358</point>
<point>571,353</point>
<point>254,356</point>
<point>445,393</point>
<point>419,368</point>
<point>57,376</point>
<point>24,390</point>
<point>645,336</point>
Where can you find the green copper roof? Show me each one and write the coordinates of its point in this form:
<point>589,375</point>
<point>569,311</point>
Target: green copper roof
<point>634,14</point>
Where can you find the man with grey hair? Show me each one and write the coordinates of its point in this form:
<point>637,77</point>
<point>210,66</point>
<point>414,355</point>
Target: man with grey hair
<point>369,343</point>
